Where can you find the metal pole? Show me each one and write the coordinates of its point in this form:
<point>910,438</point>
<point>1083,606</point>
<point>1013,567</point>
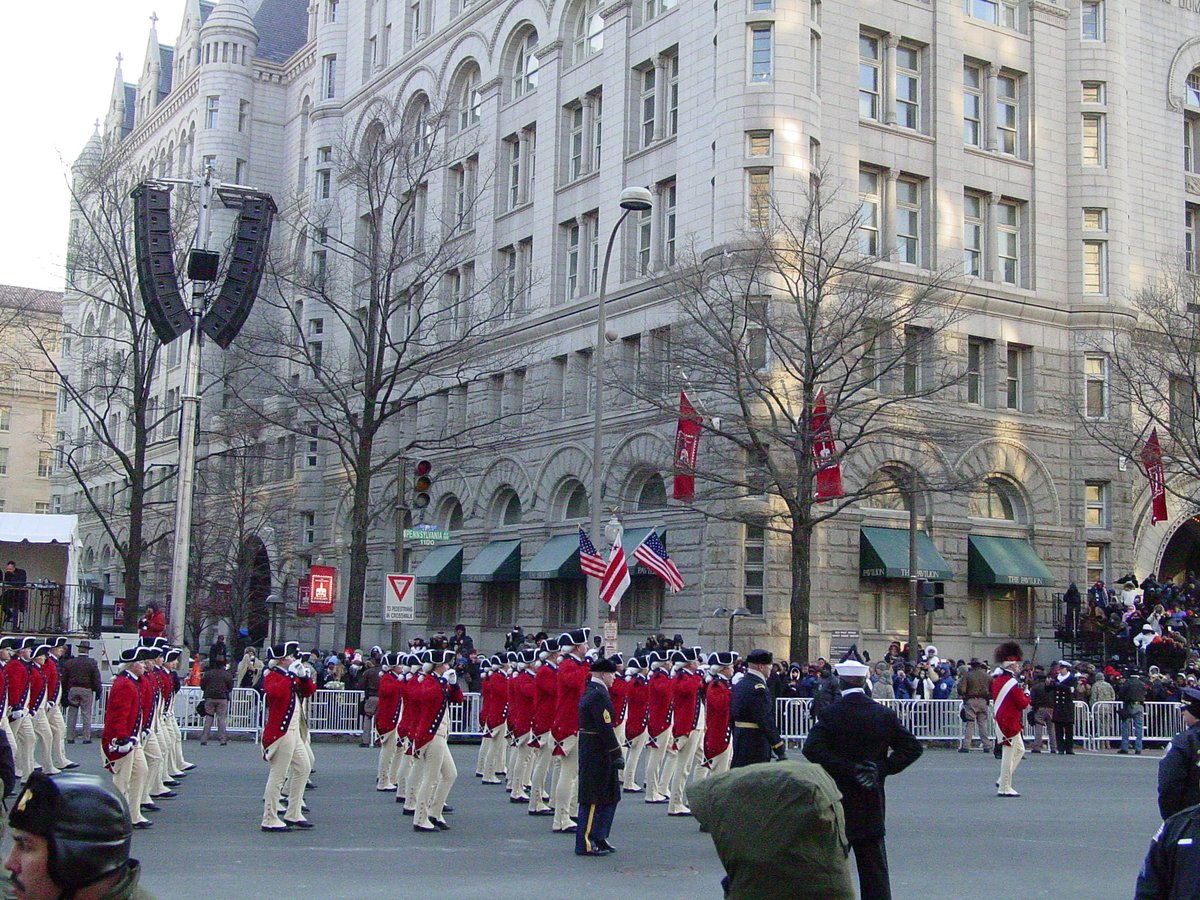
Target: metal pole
<point>186,474</point>
<point>914,613</point>
<point>731,618</point>
<point>595,614</point>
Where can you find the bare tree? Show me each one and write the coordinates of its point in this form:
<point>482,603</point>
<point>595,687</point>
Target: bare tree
<point>801,306</point>
<point>379,307</point>
<point>109,363</point>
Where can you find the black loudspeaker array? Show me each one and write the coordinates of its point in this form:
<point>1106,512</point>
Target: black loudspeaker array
<point>228,313</point>
<point>154,250</point>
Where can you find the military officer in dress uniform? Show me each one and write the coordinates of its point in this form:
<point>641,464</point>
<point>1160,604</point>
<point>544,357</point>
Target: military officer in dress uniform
<point>541,740</point>
<point>755,736</point>
<point>859,743</point>
<point>572,679</point>
<point>1179,768</point>
<point>600,763</point>
<point>38,704</point>
<point>387,717</point>
<point>284,685</point>
<point>660,692</point>
<point>121,738</point>
<point>54,716</point>
<point>438,689</point>
<point>20,723</point>
<point>636,697</point>
<point>687,727</point>
<point>716,749</point>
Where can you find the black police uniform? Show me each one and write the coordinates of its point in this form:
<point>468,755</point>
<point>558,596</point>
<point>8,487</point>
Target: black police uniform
<point>752,709</point>
<point>1172,867</point>
<point>1178,775</point>
<point>851,741</point>
<point>600,763</point>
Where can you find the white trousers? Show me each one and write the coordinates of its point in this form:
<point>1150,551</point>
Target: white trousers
<point>45,740</point>
<point>567,787</point>
<point>129,778</point>
<point>493,758</point>
<point>681,768</point>
<point>1010,757</point>
<point>384,778</point>
<point>24,742</point>
<point>656,764</point>
<point>543,758</point>
<point>412,771</point>
<point>633,753</point>
<point>525,759</point>
<point>438,774</point>
<point>289,761</point>
<point>58,735</point>
<point>154,761</point>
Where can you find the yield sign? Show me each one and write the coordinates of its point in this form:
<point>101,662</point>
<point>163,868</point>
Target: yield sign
<point>399,601</point>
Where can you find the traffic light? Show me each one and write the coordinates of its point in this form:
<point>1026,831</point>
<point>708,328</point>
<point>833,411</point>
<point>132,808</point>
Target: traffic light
<point>939,595</point>
<point>422,484</point>
<point>927,600</point>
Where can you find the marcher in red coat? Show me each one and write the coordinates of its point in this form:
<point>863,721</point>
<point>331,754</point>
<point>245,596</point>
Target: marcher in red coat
<point>387,718</point>
<point>154,623</point>
<point>285,684</point>
<point>522,705</point>
<point>573,676</point>
<point>438,690</point>
<point>718,728</point>
<point>121,738</point>
<point>687,727</point>
<point>493,713</point>
<point>661,692</point>
<point>636,697</point>
<point>541,741</point>
<point>1010,699</point>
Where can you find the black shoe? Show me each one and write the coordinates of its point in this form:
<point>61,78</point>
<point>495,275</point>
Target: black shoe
<point>145,823</point>
<point>478,774</point>
<point>597,852</point>
<point>429,830</point>
<point>186,768</point>
<point>446,810</point>
<point>1137,752</point>
<point>70,765</point>
<point>400,799</point>
<point>570,829</point>
<point>223,743</point>
<point>1035,751</point>
<point>541,812</point>
<point>165,795</point>
<point>1070,753</point>
<point>71,740</point>
<point>963,750</point>
<point>274,828</point>
<point>151,807</point>
<point>303,824</point>
<point>440,825</point>
<point>1123,752</point>
<point>204,743</point>
<point>364,745</point>
<point>88,741</point>
<point>518,799</point>
<point>605,845</point>
<point>410,812</point>
<point>640,790</point>
<point>309,786</point>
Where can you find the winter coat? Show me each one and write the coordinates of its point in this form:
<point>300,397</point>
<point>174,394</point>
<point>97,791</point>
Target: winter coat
<point>1064,700</point>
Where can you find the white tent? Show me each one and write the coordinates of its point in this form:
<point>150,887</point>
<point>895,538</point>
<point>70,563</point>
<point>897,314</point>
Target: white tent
<point>47,547</point>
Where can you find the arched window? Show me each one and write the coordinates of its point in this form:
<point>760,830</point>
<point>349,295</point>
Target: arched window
<point>454,516</point>
<point>416,127</point>
<point>1191,123</point>
<point>507,508</point>
<point>573,501</point>
<point>467,97</point>
<point>652,494</point>
<point>997,499</point>
<point>524,63</point>
<point>588,37</point>
<point>887,489</point>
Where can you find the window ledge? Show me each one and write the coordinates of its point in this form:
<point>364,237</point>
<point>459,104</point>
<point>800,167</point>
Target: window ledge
<point>896,130</point>
<point>650,148</point>
<point>972,150</point>
<point>520,207</point>
<point>580,179</point>
<point>513,102</point>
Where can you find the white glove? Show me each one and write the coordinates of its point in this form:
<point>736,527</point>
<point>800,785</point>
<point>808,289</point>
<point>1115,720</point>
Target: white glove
<point>297,668</point>
<point>17,714</point>
<point>451,677</point>
<point>126,747</point>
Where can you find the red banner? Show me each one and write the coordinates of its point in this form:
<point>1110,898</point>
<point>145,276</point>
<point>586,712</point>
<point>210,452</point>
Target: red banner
<point>687,448</point>
<point>119,605</point>
<point>322,588</point>
<point>824,450</point>
<point>1152,462</point>
<point>302,598</point>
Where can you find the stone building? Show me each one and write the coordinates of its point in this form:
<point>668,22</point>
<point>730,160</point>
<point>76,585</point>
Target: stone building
<point>28,396</point>
<point>1031,147</point>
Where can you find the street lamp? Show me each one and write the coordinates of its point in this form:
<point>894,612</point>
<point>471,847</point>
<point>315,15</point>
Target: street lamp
<point>633,199</point>
<point>732,614</point>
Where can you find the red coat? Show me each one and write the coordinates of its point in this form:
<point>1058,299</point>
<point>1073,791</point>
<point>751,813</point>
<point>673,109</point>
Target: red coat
<point>152,624</point>
<point>662,690</point>
<point>573,676</point>
<point>16,674</point>
<point>522,702</point>
<point>685,700</point>
<point>636,695</point>
<point>281,690</point>
<point>148,688</point>
<point>122,715</point>
<point>1010,713</point>
<point>547,698</point>
<point>409,706</point>
<point>37,688</point>
<point>494,709</point>
<point>387,713</point>
<point>435,699</point>
<point>618,694</point>
<point>716,717</point>
<point>50,671</point>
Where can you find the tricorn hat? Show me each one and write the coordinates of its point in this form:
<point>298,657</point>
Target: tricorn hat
<point>574,637</point>
<point>173,653</point>
<point>441,657</point>
<point>722,658</point>
<point>135,654</point>
<point>528,655</point>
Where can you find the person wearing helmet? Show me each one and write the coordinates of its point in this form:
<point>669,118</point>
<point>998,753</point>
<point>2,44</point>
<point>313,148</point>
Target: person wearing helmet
<point>71,839</point>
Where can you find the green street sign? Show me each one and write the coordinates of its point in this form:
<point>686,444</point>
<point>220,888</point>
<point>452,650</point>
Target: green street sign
<point>426,535</point>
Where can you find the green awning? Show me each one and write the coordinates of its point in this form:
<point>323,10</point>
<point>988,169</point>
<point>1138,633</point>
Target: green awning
<point>558,558</point>
<point>1008,561</point>
<point>883,553</point>
<point>631,539</point>
<point>442,565</point>
<point>497,561</point>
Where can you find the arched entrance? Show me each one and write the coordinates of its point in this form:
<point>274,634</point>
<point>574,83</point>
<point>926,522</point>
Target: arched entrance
<point>1181,554</point>
<point>256,568</point>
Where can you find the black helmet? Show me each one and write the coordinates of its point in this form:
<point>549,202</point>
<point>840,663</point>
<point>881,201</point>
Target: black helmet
<point>85,823</point>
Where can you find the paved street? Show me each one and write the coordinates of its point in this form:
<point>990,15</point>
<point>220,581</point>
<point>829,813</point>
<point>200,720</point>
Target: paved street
<point>1080,831</point>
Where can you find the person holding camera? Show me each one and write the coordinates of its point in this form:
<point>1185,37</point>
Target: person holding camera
<point>860,743</point>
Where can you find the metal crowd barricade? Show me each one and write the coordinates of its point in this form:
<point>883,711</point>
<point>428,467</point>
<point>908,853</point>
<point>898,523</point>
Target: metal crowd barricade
<point>334,712</point>
<point>245,711</point>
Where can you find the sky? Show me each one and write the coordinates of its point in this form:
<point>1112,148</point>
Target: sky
<point>60,56</point>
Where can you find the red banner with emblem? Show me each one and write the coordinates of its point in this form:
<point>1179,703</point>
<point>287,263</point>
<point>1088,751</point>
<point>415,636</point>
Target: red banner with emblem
<point>687,448</point>
<point>824,450</point>
<point>302,598</point>
<point>322,588</point>
<point>1153,464</point>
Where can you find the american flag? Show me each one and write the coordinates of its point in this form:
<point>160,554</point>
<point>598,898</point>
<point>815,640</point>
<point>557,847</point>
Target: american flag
<point>653,555</point>
<point>616,579</point>
<point>590,561</point>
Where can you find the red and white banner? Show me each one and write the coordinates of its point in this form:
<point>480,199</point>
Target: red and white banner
<point>687,448</point>
<point>824,450</point>
<point>322,588</point>
<point>616,578</point>
<point>1152,462</point>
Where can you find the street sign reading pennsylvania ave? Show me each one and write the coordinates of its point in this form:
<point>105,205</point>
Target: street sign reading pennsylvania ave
<point>426,534</point>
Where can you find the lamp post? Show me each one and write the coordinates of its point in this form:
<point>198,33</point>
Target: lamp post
<point>732,614</point>
<point>633,199</point>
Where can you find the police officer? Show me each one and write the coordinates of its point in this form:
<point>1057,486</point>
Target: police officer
<point>600,763</point>
<point>1172,869</point>
<point>851,741</point>
<point>1178,775</point>
<point>752,709</point>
